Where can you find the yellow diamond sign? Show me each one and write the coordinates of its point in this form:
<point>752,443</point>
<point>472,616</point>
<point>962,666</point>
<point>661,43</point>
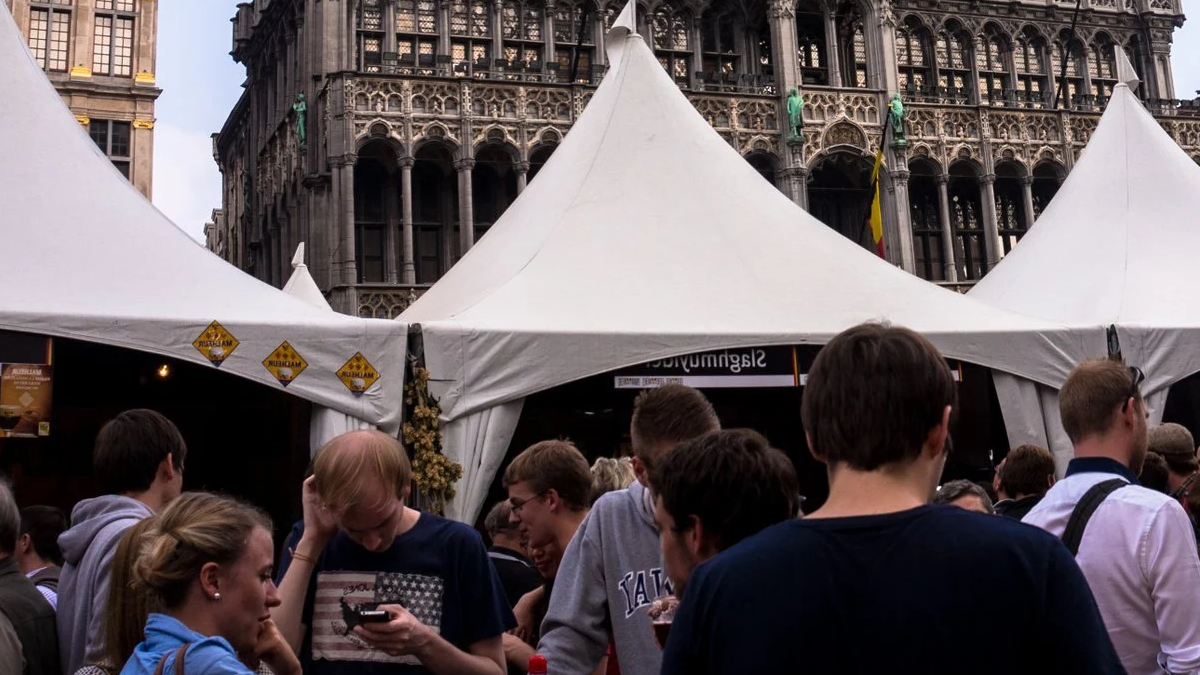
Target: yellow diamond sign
<point>285,363</point>
<point>358,374</point>
<point>215,343</point>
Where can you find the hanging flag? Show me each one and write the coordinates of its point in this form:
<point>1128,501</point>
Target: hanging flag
<point>876,217</point>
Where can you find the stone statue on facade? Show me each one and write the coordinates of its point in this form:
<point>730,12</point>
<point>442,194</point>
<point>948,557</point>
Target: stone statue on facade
<point>300,107</point>
<point>795,112</point>
<point>896,116</point>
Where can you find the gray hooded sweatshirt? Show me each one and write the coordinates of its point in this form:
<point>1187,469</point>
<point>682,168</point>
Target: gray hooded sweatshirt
<point>610,574</point>
<point>88,549</point>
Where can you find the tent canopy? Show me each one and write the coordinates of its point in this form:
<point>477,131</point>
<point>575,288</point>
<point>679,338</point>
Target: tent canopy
<point>1117,246</point>
<point>85,256</point>
<point>647,236</point>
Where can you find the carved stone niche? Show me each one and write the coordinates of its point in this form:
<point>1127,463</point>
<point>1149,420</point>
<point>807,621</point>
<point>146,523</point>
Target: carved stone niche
<point>845,133</point>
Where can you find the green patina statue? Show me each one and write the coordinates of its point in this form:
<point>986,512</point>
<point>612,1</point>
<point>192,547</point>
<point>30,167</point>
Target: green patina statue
<point>896,117</point>
<point>300,107</point>
<point>795,112</point>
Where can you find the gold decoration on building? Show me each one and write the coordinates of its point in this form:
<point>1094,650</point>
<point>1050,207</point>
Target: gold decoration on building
<point>143,124</point>
<point>144,78</point>
<point>80,71</point>
<point>83,119</point>
<point>434,473</point>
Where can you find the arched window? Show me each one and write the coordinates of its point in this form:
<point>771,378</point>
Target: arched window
<point>1102,67</point>
<point>721,52</point>
<point>926,221</point>
<point>1029,52</point>
<point>369,47</point>
<point>568,20</point>
<point>416,31</point>
<point>953,66</point>
<point>990,62</point>
<point>470,30</point>
<point>521,23</point>
<point>1068,93</point>
<point>810,43</point>
<point>1136,51</point>
<point>860,56</point>
<point>1047,177</point>
<point>670,30</point>
<point>913,59</point>
<point>966,222</point>
<point>1010,205</point>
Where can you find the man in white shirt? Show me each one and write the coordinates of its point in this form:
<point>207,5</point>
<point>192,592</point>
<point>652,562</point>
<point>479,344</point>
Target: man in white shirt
<point>1137,550</point>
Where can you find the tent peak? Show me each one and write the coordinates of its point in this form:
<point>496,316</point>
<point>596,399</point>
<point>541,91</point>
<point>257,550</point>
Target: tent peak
<point>298,259</point>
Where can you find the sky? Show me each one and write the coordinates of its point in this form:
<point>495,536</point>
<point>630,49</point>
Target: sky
<point>201,84</point>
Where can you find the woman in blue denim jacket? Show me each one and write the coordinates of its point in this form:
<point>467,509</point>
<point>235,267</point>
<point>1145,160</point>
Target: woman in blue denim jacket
<point>208,560</point>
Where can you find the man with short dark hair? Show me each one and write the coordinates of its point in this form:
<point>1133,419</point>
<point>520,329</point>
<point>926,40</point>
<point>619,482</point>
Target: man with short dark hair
<point>716,490</point>
<point>1134,545</point>
<point>612,570</point>
<point>864,583</point>
<point>965,495</point>
<point>1025,476</point>
<point>1155,475</point>
<point>517,573</point>
<point>138,461</point>
<point>27,615</point>
<point>38,553</point>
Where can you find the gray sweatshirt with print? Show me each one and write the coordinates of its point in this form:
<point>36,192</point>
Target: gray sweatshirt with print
<point>610,574</point>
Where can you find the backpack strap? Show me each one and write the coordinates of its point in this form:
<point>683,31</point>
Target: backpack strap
<point>179,654</point>
<point>1073,535</point>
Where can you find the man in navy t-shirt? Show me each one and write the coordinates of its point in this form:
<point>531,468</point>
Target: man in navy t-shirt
<point>877,580</point>
<point>362,550</point>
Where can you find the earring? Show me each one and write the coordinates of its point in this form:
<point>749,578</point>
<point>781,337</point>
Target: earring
<point>217,595</point>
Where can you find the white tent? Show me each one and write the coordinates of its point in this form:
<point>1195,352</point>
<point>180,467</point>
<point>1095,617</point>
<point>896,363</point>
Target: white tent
<point>326,423</point>
<point>647,236</point>
<point>1116,246</point>
<point>83,255</point>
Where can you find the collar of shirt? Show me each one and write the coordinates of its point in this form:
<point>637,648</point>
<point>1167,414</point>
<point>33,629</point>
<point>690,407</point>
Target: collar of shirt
<point>29,575</point>
<point>1100,465</point>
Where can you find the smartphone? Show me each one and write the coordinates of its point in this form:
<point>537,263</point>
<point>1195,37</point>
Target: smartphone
<point>373,616</point>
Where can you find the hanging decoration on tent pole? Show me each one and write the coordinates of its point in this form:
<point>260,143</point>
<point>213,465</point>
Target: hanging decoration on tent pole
<point>434,473</point>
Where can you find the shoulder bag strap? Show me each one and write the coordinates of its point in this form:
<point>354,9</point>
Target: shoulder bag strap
<point>1073,535</point>
<point>179,654</point>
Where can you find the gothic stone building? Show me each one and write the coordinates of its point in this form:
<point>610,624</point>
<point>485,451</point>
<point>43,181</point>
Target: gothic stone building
<point>99,55</point>
<point>426,118</point>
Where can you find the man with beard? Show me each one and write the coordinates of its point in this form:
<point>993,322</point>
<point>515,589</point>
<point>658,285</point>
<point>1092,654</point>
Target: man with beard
<point>1134,545</point>
<point>549,485</point>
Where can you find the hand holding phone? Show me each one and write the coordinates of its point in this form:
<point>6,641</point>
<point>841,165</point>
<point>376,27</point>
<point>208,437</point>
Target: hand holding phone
<point>373,616</point>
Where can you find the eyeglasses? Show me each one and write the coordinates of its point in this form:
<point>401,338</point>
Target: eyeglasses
<point>516,507</point>
<point>1185,489</point>
<point>1136,377</point>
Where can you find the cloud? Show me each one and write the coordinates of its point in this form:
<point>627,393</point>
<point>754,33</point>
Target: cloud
<point>187,184</point>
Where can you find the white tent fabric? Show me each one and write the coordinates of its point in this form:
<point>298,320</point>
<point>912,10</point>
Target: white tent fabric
<point>647,236</point>
<point>85,256</point>
<point>325,423</point>
<point>1116,246</point>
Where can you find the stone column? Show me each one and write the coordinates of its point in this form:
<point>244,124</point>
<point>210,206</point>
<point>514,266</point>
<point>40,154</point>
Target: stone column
<point>781,15</point>
<point>522,169</point>
<point>801,186</point>
<point>991,234</point>
<point>1027,192</point>
<point>951,269</point>
<point>832,52</point>
<point>391,213</point>
<point>466,206</point>
<point>908,259</point>
<point>697,38</point>
<point>408,270</point>
<point>389,28</point>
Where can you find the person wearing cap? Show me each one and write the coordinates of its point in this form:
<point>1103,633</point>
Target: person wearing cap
<point>1173,442</point>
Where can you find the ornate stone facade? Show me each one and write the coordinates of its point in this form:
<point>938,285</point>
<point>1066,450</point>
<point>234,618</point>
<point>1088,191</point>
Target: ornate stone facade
<point>425,118</point>
<point>99,54</point>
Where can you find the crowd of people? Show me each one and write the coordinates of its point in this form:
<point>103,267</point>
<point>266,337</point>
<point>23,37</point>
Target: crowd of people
<point>691,557</point>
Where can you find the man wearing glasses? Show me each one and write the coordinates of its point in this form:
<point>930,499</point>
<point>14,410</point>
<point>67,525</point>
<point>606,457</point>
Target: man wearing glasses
<point>1134,545</point>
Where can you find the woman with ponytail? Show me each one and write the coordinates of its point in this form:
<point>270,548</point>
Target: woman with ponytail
<point>207,562</point>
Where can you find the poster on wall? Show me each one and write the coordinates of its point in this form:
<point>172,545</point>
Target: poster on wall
<point>25,397</point>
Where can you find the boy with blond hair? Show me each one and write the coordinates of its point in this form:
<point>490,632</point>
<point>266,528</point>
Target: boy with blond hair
<point>364,550</point>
